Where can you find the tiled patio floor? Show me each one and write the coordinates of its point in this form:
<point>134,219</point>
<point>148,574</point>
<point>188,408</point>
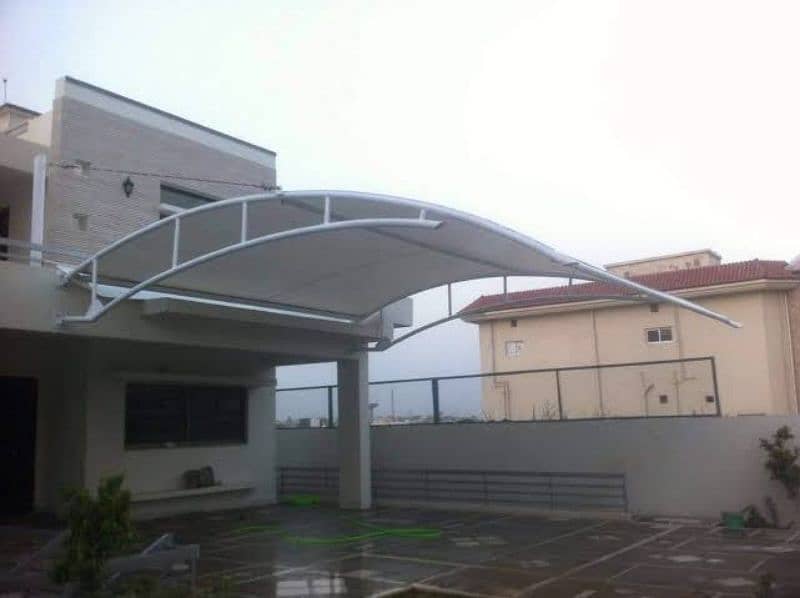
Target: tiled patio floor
<point>295,551</point>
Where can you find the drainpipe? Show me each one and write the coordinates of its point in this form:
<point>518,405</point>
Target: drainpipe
<point>497,383</point>
<point>790,343</point>
<point>683,376</point>
<point>599,374</point>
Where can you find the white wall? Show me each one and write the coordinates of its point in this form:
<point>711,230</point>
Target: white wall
<point>674,466</point>
<point>113,364</point>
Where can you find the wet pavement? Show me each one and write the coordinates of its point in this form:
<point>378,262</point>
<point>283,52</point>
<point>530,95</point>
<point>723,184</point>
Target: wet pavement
<point>306,551</point>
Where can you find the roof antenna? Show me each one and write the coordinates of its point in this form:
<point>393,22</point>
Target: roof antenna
<point>5,91</point>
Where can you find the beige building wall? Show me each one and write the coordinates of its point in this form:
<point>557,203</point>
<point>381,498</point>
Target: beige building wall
<point>754,364</point>
<point>666,263</point>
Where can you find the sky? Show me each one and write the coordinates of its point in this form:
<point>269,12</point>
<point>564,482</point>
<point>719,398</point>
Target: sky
<point>609,130</point>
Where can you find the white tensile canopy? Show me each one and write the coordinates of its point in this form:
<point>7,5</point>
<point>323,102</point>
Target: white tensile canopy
<point>335,253</point>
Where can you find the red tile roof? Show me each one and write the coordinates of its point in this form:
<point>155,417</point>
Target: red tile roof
<point>663,281</point>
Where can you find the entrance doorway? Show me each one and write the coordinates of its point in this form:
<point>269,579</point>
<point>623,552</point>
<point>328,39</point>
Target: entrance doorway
<point>17,444</point>
<point>5,222</point>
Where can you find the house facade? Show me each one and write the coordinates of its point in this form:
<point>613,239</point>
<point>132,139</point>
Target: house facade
<point>580,327</point>
<point>163,385</point>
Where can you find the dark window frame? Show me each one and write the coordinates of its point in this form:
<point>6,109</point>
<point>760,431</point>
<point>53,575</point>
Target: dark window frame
<point>199,197</point>
<point>184,396</point>
<point>658,335</point>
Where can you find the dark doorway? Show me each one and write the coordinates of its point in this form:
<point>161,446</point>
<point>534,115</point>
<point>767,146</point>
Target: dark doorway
<point>5,221</point>
<point>17,444</point>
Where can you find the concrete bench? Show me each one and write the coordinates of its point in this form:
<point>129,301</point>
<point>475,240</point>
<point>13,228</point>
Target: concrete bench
<point>142,497</point>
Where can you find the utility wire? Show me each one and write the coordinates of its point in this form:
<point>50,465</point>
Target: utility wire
<point>87,167</point>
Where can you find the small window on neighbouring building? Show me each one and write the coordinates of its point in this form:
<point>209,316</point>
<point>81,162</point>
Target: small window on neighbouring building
<point>654,308</point>
<point>513,348</point>
<point>174,200</point>
<point>663,399</point>
<point>659,335</point>
<point>710,399</point>
<point>513,323</point>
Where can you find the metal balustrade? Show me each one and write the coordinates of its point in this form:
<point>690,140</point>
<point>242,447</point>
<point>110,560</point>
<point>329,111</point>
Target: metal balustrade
<point>662,388</point>
<point>547,490</point>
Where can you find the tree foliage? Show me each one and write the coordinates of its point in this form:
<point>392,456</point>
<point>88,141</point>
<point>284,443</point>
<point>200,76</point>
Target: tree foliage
<point>99,528</point>
<point>782,457</point>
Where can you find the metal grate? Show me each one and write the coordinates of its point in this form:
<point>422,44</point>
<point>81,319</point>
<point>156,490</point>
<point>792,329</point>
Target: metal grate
<point>553,490</point>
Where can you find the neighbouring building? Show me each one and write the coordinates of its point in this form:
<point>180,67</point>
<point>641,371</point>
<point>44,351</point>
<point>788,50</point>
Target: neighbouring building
<point>581,326</point>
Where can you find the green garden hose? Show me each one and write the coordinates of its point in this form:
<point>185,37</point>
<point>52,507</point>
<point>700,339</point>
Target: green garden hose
<point>415,533</point>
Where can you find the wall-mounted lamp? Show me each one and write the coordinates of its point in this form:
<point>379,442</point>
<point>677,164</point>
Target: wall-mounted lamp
<point>127,186</point>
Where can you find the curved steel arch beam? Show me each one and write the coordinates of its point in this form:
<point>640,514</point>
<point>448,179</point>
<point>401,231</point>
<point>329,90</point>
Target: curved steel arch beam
<point>421,206</point>
<point>385,344</point>
<point>576,267</point>
<point>96,310</point>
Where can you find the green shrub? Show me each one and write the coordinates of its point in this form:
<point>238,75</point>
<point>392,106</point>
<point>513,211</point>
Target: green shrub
<point>99,528</point>
<point>782,460</point>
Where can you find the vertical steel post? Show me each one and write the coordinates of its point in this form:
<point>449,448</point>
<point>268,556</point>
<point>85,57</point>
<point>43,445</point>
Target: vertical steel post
<point>330,407</point>
<point>716,388</point>
<point>176,241</point>
<point>244,222</point>
<point>558,391</point>
<point>93,298</point>
<point>449,300</point>
<point>435,393</point>
<point>625,492</point>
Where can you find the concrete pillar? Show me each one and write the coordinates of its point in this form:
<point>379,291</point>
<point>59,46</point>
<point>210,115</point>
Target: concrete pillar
<point>263,440</point>
<point>37,206</point>
<point>355,476</point>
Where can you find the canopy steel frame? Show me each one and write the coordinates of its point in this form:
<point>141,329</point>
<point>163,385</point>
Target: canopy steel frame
<point>563,265</point>
<point>385,344</point>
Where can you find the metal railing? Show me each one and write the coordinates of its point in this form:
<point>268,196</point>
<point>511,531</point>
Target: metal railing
<point>660,388</point>
<point>550,490</point>
<point>36,253</point>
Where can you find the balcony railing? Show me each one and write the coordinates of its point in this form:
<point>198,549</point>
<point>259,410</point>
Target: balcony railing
<point>537,489</point>
<point>36,254</point>
<point>662,388</point>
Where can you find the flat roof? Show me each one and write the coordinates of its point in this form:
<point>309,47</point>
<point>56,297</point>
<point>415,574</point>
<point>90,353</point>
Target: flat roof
<point>666,256</point>
<point>166,114</point>
<point>19,109</point>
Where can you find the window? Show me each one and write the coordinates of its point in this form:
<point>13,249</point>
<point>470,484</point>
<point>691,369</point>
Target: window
<point>174,200</point>
<point>663,399</point>
<point>710,399</point>
<point>513,323</point>
<point>654,308</point>
<point>159,414</point>
<point>659,335</point>
<point>513,348</point>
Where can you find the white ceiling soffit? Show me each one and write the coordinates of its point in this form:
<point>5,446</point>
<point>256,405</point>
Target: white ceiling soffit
<point>340,253</point>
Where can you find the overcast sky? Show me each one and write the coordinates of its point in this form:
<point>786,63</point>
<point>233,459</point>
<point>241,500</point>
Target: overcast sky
<point>610,130</point>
